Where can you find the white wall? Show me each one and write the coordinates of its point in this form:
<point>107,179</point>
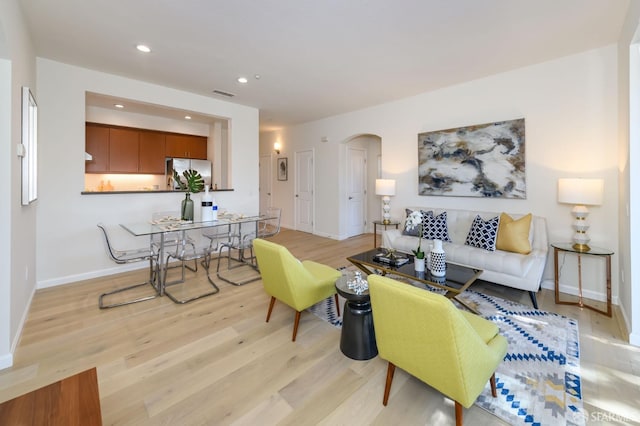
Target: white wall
<point>570,110</point>
<point>629,140</point>
<point>66,216</point>
<point>5,213</point>
<point>17,222</point>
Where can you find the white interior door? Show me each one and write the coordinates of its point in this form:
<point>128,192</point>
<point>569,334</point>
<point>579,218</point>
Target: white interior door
<point>356,191</point>
<point>265,164</point>
<point>304,186</point>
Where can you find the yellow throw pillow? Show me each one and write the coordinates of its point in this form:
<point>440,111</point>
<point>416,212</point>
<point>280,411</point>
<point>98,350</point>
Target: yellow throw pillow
<point>513,235</point>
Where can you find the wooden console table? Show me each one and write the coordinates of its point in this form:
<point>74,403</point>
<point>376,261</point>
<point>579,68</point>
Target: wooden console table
<point>73,401</point>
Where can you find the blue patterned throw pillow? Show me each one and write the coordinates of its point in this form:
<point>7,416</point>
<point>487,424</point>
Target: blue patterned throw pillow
<point>483,233</point>
<point>435,228</point>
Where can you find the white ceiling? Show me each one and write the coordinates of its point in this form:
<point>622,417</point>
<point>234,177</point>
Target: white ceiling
<point>316,58</point>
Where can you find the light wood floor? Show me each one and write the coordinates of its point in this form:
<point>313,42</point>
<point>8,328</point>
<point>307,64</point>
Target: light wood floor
<point>216,361</point>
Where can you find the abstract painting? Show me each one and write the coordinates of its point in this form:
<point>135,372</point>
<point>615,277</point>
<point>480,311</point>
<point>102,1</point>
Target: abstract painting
<point>484,160</point>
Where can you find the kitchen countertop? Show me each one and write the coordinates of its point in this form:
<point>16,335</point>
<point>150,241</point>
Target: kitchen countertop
<point>150,191</point>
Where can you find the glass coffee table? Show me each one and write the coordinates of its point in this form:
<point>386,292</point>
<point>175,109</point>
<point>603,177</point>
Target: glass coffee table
<point>457,279</point>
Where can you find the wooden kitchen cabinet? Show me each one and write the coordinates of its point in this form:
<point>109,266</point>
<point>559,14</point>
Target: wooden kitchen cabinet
<point>186,146</point>
<point>97,144</point>
<point>151,152</point>
<point>123,150</point>
<point>117,149</point>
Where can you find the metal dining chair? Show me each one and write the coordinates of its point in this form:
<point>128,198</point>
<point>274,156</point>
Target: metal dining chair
<point>241,242</point>
<point>130,256</point>
<point>269,226</point>
<point>188,250</point>
<point>172,239</point>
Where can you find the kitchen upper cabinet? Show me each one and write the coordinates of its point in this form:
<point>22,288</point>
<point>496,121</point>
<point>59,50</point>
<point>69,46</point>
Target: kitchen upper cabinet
<point>97,144</point>
<point>117,149</point>
<point>123,150</point>
<point>186,146</point>
<point>151,152</point>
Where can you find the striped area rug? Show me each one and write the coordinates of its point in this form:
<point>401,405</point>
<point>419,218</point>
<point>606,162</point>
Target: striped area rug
<point>539,380</point>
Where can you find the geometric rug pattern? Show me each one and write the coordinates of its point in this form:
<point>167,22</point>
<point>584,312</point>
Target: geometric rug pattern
<point>538,382</point>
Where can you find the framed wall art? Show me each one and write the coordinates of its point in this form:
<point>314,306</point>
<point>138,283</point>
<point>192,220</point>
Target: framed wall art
<point>29,148</point>
<point>283,169</point>
<point>484,160</point>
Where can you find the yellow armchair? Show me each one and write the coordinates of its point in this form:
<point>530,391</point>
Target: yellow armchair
<point>297,284</point>
<point>423,333</point>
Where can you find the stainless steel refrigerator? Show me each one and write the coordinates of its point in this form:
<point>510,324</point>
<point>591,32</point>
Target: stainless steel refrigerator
<point>203,167</point>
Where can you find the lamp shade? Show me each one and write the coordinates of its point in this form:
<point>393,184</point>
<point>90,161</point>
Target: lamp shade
<point>385,187</point>
<point>584,192</point>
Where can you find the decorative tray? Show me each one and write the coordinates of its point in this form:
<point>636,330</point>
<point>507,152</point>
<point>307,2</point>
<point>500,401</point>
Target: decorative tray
<point>395,260</point>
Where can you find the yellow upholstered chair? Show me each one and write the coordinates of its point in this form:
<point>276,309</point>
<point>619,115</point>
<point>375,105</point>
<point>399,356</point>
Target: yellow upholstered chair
<point>423,333</point>
<point>297,284</point>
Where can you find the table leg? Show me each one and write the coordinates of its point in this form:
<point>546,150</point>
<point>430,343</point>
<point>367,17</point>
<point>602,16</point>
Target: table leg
<point>162,266</point>
<point>375,235</point>
<point>556,275</point>
<point>608,261</point>
<point>580,303</point>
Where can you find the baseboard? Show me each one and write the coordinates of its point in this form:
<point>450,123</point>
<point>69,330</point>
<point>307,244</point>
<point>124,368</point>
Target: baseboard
<point>6,361</point>
<point>90,275</point>
<point>333,237</point>
<point>587,294</point>
<point>625,325</point>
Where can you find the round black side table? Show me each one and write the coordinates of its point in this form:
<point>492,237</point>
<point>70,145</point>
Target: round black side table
<point>358,338</point>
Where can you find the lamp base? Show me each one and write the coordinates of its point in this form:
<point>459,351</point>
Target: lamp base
<point>581,247</point>
<point>386,217</point>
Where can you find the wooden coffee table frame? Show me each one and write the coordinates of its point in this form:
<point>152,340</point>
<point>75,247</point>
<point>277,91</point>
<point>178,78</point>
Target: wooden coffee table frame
<point>406,271</point>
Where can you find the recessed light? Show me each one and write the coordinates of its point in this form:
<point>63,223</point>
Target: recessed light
<point>243,80</point>
<point>257,76</point>
<point>187,117</point>
<point>118,105</point>
<point>143,48</point>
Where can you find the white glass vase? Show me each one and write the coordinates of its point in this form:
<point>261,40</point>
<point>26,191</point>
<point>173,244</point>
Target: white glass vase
<point>418,264</point>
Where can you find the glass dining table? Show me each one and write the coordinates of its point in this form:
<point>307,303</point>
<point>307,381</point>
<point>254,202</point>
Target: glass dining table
<point>246,227</point>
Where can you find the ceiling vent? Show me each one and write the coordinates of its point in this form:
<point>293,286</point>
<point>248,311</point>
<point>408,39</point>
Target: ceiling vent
<point>221,93</point>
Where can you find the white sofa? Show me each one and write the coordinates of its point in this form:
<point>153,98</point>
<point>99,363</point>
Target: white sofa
<point>515,270</point>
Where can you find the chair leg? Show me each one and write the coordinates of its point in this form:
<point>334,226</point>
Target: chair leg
<point>337,304</point>
<point>295,326</point>
<point>387,387</point>
<point>492,380</point>
<point>273,301</point>
<point>458,414</point>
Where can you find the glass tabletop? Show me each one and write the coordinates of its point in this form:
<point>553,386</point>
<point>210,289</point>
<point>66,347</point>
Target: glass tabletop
<point>457,276</point>
<point>155,227</point>
<point>598,251</point>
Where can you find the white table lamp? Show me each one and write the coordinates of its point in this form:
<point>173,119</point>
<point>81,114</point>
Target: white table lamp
<point>582,193</point>
<point>386,188</point>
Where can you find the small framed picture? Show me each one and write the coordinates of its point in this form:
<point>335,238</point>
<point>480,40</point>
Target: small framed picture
<point>283,169</point>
